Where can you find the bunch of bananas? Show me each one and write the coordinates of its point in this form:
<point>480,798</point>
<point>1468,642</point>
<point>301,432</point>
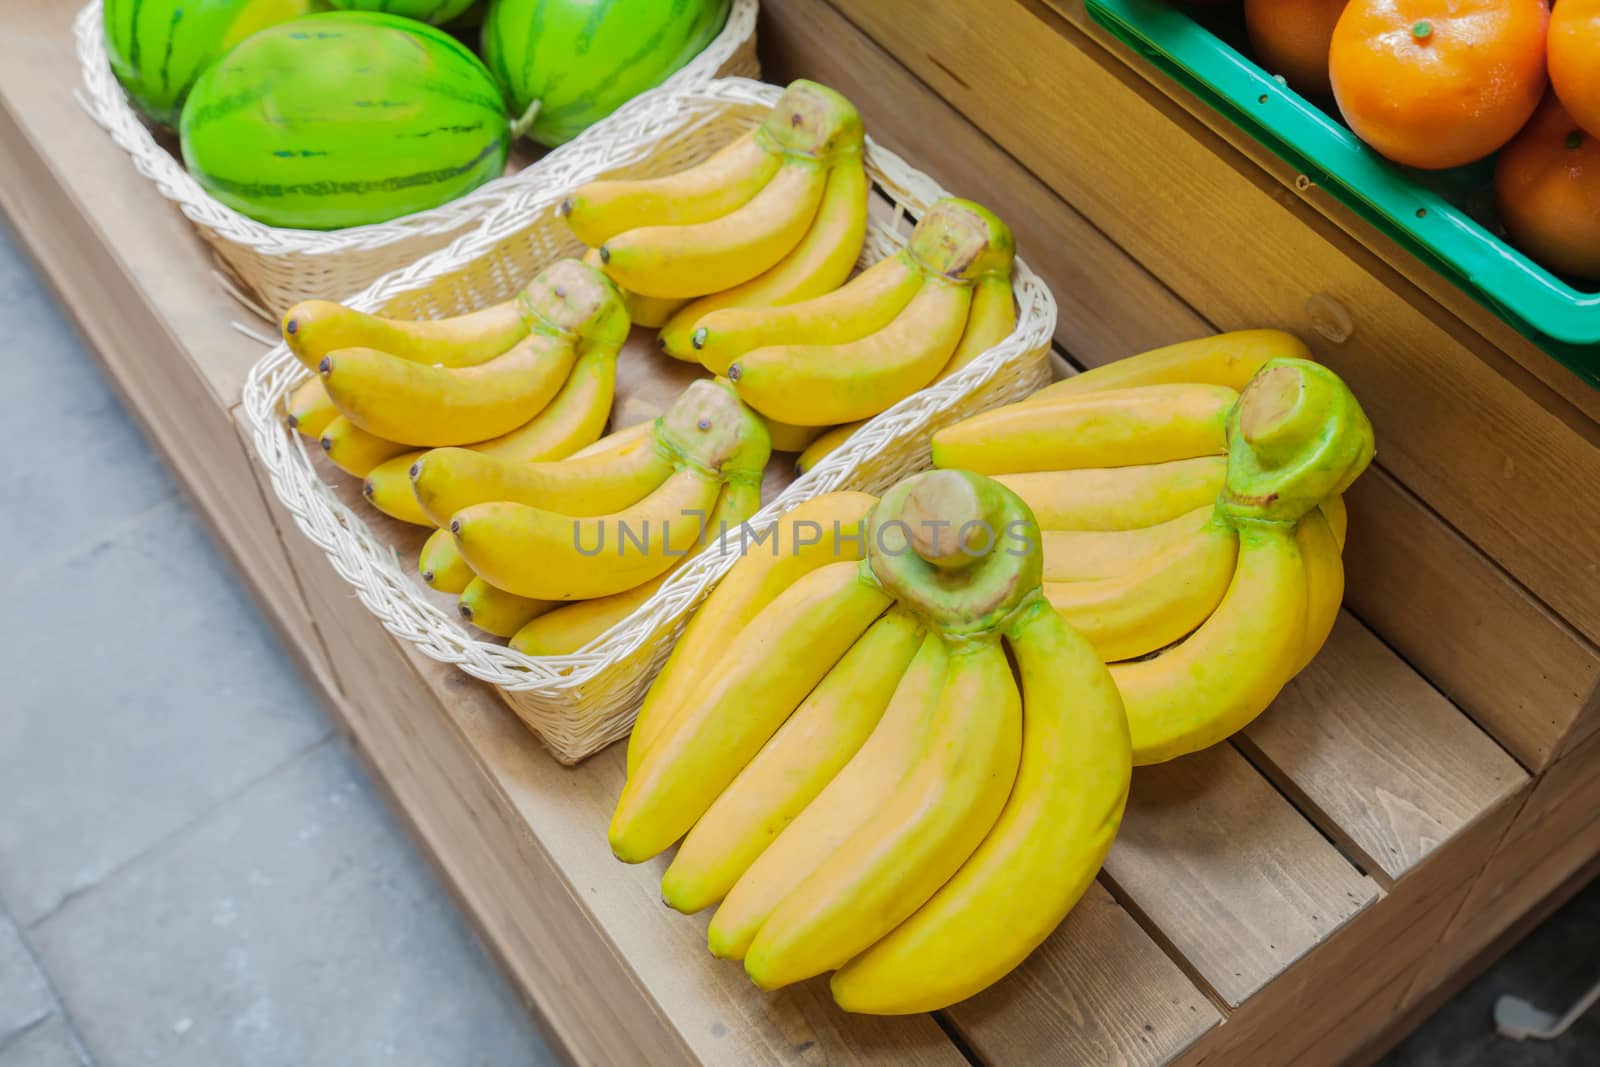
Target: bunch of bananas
<point>855,771</point>
<point>1193,531</point>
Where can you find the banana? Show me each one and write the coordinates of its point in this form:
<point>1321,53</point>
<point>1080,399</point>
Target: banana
<point>866,304</point>
<point>441,564</point>
<point>1157,603</point>
<point>1086,555</point>
<point>729,718</point>
<point>819,264</point>
<point>1229,359</point>
<point>991,320</point>
<point>538,553</point>
<point>308,408</point>
<point>1324,581</point>
<point>1211,685</point>
<point>1042,853</point>
<point>862,787</point>
<point>314,328</point>
<point>354,450</point>
<point>1333,510</point>
<point>600,210</point>
<point>1120,428</point>
<point>787,438</point>
<point>648,311</point>
<point>794,766</point>
<point>572,421</point>
<point>823,530</point>
<point>935,818</point>
<point>388,488</point>
<point>446,480</point>
<point>496,611</point>
<point>825,445</point>
<point>618,441</point>
<point>572,627</point>
<point>1119,498</point>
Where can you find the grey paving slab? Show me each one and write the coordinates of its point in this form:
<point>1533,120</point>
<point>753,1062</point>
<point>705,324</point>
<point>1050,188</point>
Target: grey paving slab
<point>48,1044</point>
<point>25,995</point>
<point>141,689</point>
<point>294,926</point>
<point>75,464</point>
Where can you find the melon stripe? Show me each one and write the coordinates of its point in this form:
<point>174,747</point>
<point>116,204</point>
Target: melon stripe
<point>274,190</point>
<point>133,34</point>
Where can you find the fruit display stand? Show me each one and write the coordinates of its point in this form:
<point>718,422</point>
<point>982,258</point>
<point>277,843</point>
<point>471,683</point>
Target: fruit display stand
<point>1421,794</point>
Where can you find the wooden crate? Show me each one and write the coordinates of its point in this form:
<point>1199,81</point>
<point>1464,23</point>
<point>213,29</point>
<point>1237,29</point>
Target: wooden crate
<point>1320,869</point>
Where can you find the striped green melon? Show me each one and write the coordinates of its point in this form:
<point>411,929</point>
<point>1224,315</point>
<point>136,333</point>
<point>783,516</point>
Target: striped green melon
<point>566,64</point>
<point>344,119</point>
<point>433,12</point>
<point>158,48</point>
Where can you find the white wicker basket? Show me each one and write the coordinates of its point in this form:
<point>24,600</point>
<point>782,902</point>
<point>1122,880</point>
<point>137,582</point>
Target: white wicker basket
<point>280,267</point>
<point>580,703</point>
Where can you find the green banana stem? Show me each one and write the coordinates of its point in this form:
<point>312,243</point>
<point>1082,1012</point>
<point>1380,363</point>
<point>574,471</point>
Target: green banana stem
<point>708,427</point>
<point>963,241</point>
<point>811,120</point>
<point>960,550</point>
<point>571,299</point>
<point>1297,436</point>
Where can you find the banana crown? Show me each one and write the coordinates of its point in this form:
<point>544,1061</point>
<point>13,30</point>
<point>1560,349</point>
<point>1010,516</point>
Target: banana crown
<point>811,120</point>
<point>957,548</point>
<point>570,297</point>
<point>962,240</point>
<point>710,428</point>
<point>1296,437</point>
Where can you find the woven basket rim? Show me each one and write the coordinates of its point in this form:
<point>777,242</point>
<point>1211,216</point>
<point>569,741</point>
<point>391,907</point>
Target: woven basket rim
<point>103,98</point>
<point>293,476</point>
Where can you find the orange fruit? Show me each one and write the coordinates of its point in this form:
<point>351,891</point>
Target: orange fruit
<point>1439,83</point>
<point>1575,60</point>
<point>1547,186</point>
<point>1292,37</point>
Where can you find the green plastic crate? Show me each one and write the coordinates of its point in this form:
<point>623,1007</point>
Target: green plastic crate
<point>1425,211</point>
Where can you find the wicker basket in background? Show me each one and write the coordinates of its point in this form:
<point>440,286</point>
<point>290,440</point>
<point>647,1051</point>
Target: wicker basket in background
<point>580,703</point>
<point>280,267</point>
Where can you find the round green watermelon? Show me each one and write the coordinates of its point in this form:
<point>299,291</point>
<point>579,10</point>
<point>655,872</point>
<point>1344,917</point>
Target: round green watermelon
<point>566,64</point>
<point>158,48</point>
<point>433,12</point>
<point>344,119</point>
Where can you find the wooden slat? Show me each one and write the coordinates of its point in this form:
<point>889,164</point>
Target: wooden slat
<point>1098,991</point>
<point>1216,231</point>
<point>1235,879</point>
<point>1388,767</point>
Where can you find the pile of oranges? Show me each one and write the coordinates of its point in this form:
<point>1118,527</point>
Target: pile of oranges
<point>1443,83</point>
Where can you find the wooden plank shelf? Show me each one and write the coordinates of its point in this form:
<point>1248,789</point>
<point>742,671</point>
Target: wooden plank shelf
<point>1289,897</point>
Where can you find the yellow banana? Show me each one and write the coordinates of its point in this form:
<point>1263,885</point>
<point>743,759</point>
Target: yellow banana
<point>354,450</point>
<point>648,311</point>
<point>823,530</point>
<point>1119,498</point>
<point>730,717</point>
<point>1157,603</point>
<point>1333,510</point>
<point>788,438</point>
<point>496,611</point>
<point>1085,555</point>
<point>1223,675</point>
<point>446,480</point>
<point>618,441</point>
<point>1119,428</point>
<point>904,851</point>
<point>313,328</point>
<point>572,627</point>
<point>388,488</point>
<point>1044,850</point>
<point>819,264</point>
<point>676,262</point>
<point>844,804</point>
<point>821,385</point>
<point>549,556</point>
<point>991,320</point>
<point>425,405</point>
<point>794,766</point>
<point>573,420</point>
<point>600,210</point>
<point>1324,581</point>
<point>308,408</point>
<point>441,564</point>
<point>826,445</point>
<point>866,304</point>
<point>1229,359</point>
